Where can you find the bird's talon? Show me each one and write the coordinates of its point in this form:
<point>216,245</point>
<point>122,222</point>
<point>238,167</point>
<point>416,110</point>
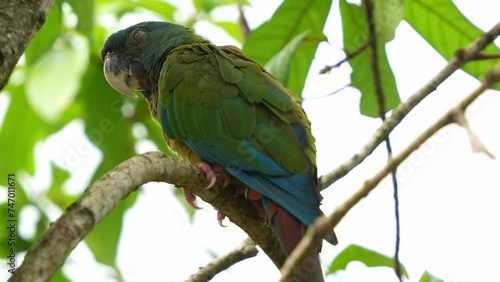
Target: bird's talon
<point>225,179</point>
<point>220,217</point>
<point>209,172</point>
<point>190,198</point>
<point>212,183</point>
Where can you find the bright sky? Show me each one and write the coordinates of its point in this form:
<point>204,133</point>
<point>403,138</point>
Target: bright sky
<point>448,195</point>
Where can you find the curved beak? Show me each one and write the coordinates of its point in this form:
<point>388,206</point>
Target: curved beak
<point>116,71</point>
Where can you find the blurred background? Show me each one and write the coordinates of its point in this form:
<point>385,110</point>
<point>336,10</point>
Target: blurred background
<point>63,127</point>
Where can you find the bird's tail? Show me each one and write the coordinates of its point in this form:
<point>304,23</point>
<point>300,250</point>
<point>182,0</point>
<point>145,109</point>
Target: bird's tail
<point>290,231</point>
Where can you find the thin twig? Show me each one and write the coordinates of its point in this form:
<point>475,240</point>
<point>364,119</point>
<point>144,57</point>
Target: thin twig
<point>51,250</point>
<point>397,243</point>
<point>329,94</point>
<point>327,69</point>
<point>403,109</point>
<point>246,250</point>
<point>324,225</point>
<point>484,57</point>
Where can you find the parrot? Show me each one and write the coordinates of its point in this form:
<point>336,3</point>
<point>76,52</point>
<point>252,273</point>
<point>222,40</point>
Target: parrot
<point>223,112</point>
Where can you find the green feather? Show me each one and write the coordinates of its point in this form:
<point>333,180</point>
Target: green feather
<point>240,117</point>
<point>225,96</point>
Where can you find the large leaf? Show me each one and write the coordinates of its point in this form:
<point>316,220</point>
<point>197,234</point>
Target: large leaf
<point>292,18</point>
<point>207,6</point>
<point>84,9</point>
<point>279,64</point>
<point>15,200</point>
<point>233,29</point>
<point>53,81</point>
<point>162,8</point>
<point>427,277</point>
<point>119,7</point>
<point>21,129</point>
<point>364,75</point>
<point>110,132</point>
<point>45,37</point>
<point>59,277</point>
<point>446,29</point>
<point>387,15</point>
<point>56,192</point>
<point>366,256</point>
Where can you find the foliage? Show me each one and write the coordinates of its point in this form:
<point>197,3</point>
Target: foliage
<point>366,256</point>
<point>427,277</point>
<point>60,81</point>
<point>290,20</point>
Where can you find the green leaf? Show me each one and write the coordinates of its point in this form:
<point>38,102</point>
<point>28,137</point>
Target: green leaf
<point>59,277</point>
<point>233,29</point>
<point>368,257</point>
<point>100,34</point>
<point>363,77</point>
<point>427,277</point>
<point>53,81</point>
<point>387,14</point>
<point>207,6</point>
<point>279,65</point>
<point>18,145</point>
<point>162,8</point>
<point>20,200</point>
<point>119,7</point>
<point>290,19</point>
<point>84,9</point>
<point>45,37</point>
<point>56,192</point>
<point>447,30</point>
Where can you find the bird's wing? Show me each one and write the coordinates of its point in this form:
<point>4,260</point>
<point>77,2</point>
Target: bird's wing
<point>232,113</point>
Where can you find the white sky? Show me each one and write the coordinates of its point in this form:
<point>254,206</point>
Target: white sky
<point>448,195</point>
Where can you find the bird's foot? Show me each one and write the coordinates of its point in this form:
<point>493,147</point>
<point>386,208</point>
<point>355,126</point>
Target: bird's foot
<point>220,217</point>
<point>248,193</point>
<point>213,174</point>
<point>254,197</point>
<point>190,197</point>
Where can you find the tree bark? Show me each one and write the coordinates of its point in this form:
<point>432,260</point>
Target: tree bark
<point>19,22</point>
<point>50,251</point>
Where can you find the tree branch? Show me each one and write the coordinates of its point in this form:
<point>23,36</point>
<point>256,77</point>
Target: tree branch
<point>19,21</point>
<point>245,250</point>
<point>324,225</point>
<point>51,250</point>
<point>461,57</point>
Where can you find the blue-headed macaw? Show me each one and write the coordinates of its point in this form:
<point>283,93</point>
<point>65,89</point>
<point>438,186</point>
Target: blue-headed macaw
<point>222,111</point>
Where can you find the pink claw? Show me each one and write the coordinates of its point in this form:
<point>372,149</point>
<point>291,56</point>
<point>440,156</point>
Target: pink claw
<point>225,179</point>
<point>190,197</point>
<point>220,218</point>
<point>209,172</point>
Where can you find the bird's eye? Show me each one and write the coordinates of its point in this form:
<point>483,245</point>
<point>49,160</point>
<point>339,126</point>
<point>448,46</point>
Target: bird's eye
<point>140,34</point>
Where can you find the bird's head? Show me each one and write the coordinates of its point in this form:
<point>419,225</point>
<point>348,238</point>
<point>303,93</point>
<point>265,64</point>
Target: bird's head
<point>131,56</point>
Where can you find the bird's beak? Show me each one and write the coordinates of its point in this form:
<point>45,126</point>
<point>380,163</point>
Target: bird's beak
<point>116,71</point>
